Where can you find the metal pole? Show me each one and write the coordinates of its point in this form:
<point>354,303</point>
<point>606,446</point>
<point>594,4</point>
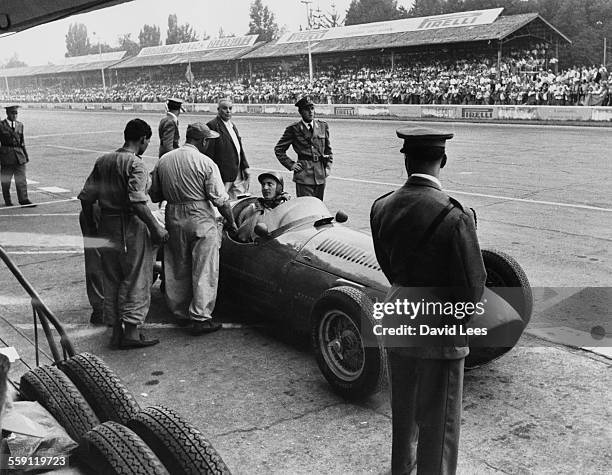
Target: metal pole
<point>307,3</point>
<point>101,68</point>
<point>499,58</point>
<point>8,92</point>
<point>605,51</point>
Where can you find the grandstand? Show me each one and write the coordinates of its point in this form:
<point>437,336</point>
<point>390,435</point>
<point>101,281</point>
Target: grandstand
<point>477,57</point>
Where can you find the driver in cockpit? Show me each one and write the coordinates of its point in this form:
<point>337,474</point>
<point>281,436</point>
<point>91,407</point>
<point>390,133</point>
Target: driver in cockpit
<point>273,194</point>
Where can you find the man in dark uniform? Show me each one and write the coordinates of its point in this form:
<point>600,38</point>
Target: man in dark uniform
<point>425,239</point>
<point>126,231</point>
<point>13,158</point>
<point>310,141</point>
<point>169,127</point>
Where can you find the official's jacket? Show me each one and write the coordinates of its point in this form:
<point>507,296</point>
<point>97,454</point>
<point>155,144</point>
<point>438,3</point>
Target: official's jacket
<point>310,149</point>
<point>223,151</point>
<point>168,134</point>
<point>12,144</point>
<point>449,260</point>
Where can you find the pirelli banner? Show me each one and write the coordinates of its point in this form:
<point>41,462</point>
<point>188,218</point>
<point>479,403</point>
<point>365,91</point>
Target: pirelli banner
<point>452,20</point>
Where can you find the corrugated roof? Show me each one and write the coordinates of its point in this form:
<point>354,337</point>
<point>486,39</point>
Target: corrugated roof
<point>499,29</point>
<point>91,62</point>
<point>203,56</point>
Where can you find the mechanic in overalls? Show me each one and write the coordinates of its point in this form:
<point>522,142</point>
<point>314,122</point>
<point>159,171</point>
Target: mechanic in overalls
<point>125,235</point>
<point>191,184</point>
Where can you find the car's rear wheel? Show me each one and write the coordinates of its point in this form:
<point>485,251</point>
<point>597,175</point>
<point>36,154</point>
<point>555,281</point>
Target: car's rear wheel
<point>506,278</point>
<point>340,319</point>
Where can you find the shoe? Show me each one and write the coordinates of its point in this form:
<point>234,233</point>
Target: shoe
<point>8,203</point>
<point>142,342</point>
<point>117,335</point>
<point>96,318</point>
<point>207,326</point>
<point>182,322</point>
<point>27,204</point>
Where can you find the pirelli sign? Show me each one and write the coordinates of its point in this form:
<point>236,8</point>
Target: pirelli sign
<point>477,113</point>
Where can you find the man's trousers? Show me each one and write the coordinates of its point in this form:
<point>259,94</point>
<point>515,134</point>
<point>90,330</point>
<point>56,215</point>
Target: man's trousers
<point>19,172</point>
<point>127,266</point>
<point>426,400</point>
<point>317,191</point>
<point>191,263</point>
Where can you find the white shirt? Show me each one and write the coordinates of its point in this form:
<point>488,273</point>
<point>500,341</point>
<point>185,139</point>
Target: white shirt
<point>428,177</point>
<point>230,128</point>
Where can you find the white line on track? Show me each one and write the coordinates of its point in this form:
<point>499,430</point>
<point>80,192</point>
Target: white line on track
<point>38,215</point>
<point>35,253</point>
<point>74,133</point>
<point>382,183</point>
<point>41,203</point>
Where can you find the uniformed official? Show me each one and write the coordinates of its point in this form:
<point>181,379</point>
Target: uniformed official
<point>13,158</point>
<point>169,126</point>
<point>310,141</point>
<point>425,239</point>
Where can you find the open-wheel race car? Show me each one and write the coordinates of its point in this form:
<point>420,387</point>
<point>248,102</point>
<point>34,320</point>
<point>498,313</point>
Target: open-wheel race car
<point>303,267</point>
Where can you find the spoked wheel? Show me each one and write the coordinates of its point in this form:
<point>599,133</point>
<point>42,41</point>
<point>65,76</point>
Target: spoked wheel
<point>341,346</point>
<point>340,319</point>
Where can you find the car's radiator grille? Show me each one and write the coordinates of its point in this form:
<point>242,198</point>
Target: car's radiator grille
<point>350,253</point>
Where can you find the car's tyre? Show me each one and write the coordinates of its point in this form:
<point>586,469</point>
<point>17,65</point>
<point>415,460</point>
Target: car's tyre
<point>56,393</point>
<point>113,449</point>
<point>102,388</point>
<point>179,445</point>
<point>506,278</point>
<point>351,368</point>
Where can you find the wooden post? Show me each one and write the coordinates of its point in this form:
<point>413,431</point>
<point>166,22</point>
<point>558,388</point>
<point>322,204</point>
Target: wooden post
<point>392,60</point>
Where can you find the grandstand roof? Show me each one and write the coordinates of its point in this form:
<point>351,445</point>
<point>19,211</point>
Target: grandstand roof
<point>323,42</point>
<point>75,64</point>
<point>221,49</point>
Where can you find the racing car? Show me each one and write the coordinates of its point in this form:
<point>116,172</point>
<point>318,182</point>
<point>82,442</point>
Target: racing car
<point>307,269</point>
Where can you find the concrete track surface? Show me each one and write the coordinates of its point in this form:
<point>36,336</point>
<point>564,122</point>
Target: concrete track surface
<point>542,194</point>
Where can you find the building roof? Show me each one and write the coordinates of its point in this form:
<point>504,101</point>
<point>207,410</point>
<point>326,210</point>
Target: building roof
<point>75,64</point>
<point>500,29</point>
<point>222,49</point>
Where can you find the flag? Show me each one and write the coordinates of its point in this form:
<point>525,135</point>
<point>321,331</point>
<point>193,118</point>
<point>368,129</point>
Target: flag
<point>188,74</point>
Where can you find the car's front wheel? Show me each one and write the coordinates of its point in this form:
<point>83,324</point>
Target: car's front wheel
<point>340,319</point>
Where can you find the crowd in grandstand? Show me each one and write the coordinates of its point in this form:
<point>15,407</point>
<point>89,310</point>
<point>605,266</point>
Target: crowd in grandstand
<point>521,79</point>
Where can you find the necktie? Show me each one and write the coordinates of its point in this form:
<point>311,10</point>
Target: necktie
<point>13,124</point>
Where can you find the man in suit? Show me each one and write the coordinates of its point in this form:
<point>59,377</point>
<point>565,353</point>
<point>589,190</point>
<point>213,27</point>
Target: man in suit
<point>310,141</point>
<point>13,158</point>
<point>169,127</point>
<point>426,245</point>
<point>228,152</point>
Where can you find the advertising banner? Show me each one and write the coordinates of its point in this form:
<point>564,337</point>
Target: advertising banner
<point>477,113</point>
<point>438,112</point>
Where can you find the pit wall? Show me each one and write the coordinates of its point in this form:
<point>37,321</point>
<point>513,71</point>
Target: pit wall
<point>425,111</point>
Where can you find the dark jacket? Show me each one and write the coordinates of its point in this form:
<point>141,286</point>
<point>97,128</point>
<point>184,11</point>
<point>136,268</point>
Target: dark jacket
<point>450,261</point>
<point>168,134</point>
<point>12,144</point>
<point>310,150</point>
<point>223,151</point>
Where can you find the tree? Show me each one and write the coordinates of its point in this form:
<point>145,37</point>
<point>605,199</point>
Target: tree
<point>329,19</point>
<point>180,33</point>
<point>77,41</point>
<point>368,11</point>
<point>262,22</point>
<point>150,35</point>
<point>14,62</point>
<point>127,44</point>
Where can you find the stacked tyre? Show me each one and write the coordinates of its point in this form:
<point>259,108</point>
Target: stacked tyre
<point>115,436</point>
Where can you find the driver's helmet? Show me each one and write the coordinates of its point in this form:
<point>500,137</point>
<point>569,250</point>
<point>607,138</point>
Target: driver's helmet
<point>275,176</point>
